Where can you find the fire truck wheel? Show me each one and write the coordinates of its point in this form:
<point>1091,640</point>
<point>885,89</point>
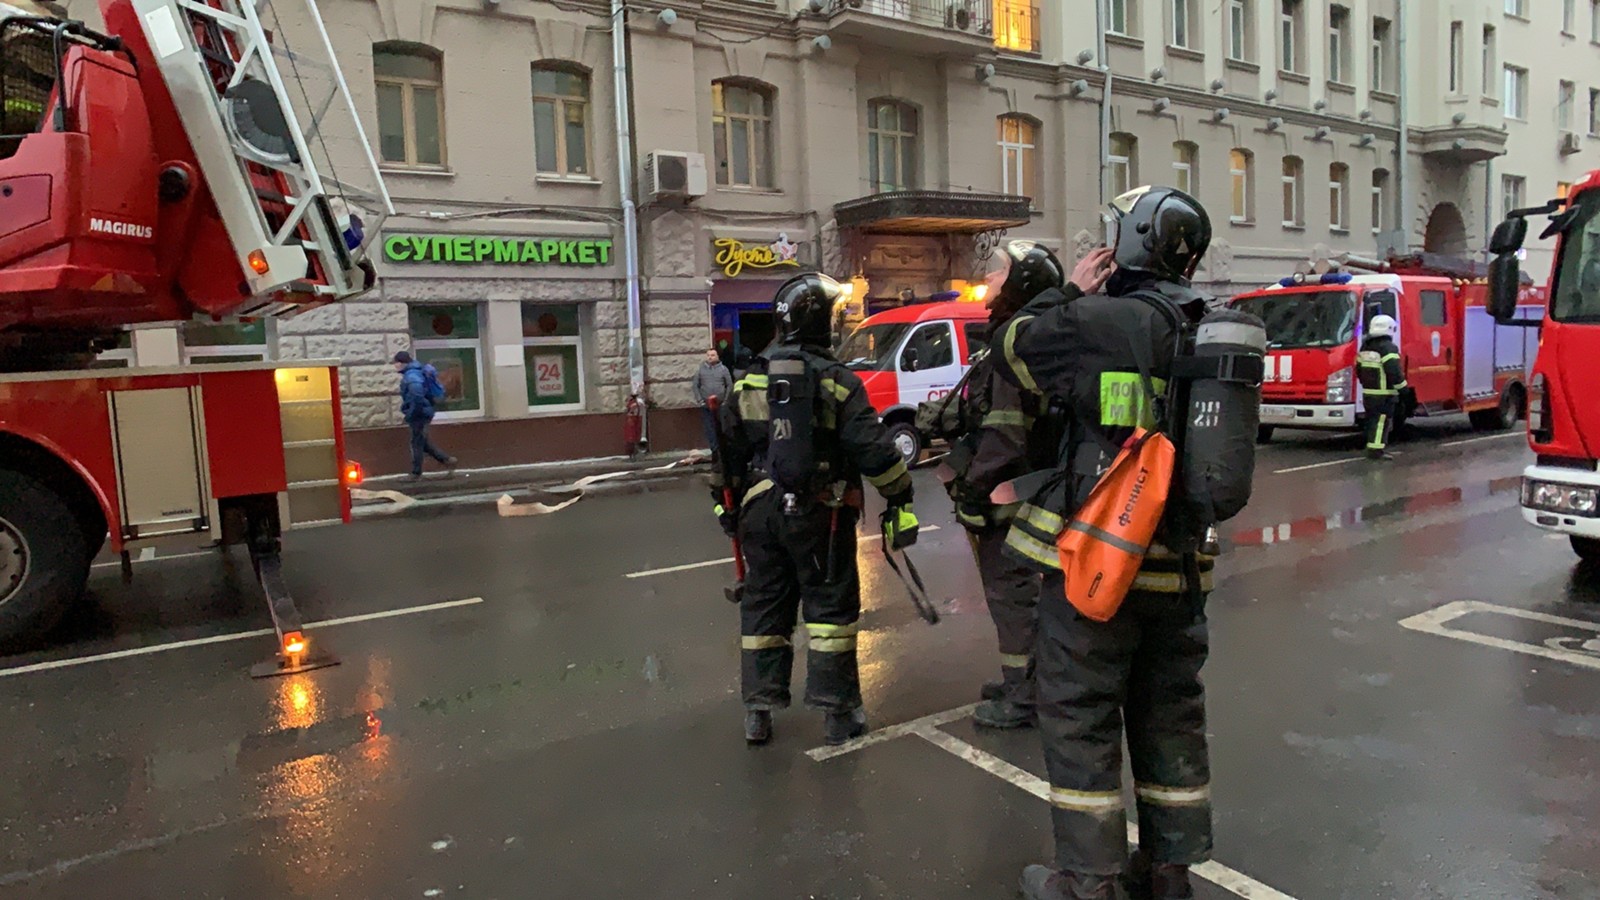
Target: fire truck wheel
<point>1501,417</point>
<point>1264,434</point>
<point>44,562</point>
<point>1588,549</point>
<point>907,440</point>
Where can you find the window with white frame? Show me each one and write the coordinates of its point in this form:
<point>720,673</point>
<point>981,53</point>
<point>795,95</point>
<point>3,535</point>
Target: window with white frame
<point>741,133</point>
<point>1121,13</point>
<point>1339,197</point>
<point>1569,16</point>
<point>1185,24</point>
<point>1338,47</point>
<point>1380,55</point>
<point>1566,99</point>
<point>1240,173</point>
<point>1185,156</point>
<point>1019,146</point>
<point>1594,21</point>
<point>1458,38</point>
<point>1294,175</point>
<point>1241,31</point>
<point>1290,22</point>
<point>1488,60</point>
<point>1513,190</point>
<point>561,119</point>
<point>891,145</point>
<point>448,337</point>
<point>409,80</point>
<point>1517,8</point>
<point>1515,96</point>
<point>1594,111</point>
<point>552,351</point>
<point>1123,162</point>
<point>1380,199</point>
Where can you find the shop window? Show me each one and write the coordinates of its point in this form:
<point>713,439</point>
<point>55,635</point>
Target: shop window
<point>215,343</point>
<point>410,86</point>
<point>552,350</point>
<point>741,132</point>
<point>891,146</point>
<point>561,120</point>
<point>447,337</point>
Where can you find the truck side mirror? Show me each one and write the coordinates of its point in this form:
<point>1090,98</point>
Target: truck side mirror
<point>1508,236</point>
<point>1505,283</point>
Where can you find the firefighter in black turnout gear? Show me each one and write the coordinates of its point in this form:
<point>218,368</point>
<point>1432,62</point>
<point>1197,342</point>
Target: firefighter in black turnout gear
<point>999,445</point>
<point>799,435</point>
<point>1382,383</point>
<point>1102,361</point>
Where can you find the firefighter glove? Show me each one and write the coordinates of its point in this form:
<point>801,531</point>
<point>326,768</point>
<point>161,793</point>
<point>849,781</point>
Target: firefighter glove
<point>899,527</point>
<point>728,519</point>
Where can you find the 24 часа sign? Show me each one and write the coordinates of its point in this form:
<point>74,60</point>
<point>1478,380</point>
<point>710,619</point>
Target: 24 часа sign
<point>505,251</point>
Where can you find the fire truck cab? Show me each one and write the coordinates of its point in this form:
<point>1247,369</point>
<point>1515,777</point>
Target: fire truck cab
<point>914,353</point>
<point>1457,359</point>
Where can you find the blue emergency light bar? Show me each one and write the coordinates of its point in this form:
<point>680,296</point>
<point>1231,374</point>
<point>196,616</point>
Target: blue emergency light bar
<point>1302,280</point>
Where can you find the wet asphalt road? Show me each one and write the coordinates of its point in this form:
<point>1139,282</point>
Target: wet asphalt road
<point>576,733</point>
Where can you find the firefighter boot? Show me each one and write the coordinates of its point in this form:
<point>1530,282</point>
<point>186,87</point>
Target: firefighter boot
<point>1045,883</point>
<point>992,690</point>
<point>1014,708</point>
<point>757,726</point>
<point>839,727</point>
<point>1157,881</point>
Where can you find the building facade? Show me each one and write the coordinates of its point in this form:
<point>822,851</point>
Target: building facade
<point>891,143</point>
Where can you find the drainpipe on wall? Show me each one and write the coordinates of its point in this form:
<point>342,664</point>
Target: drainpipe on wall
<point>1488,206</point>
<point>630,215</point>
<point>1102,16</point>
<point>1403,152</point>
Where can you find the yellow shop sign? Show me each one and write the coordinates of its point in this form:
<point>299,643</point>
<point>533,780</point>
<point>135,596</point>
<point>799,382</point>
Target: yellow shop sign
<point>734,256</point>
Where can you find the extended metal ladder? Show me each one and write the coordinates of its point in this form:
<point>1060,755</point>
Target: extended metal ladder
<point>265,152</point>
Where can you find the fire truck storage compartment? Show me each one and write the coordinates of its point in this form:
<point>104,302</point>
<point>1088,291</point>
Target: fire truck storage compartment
<point>162,485</point>
<point>1492,348</point>
<point>310,448</point>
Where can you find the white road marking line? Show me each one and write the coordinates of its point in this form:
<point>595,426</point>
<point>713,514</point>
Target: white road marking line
<point>1434,621</point>
<point>225,638</point>
<point>821,754</point>
<point>1321,465</point>
<point>1491,437</point>
<point>1231,880</point>
<point>647,573</point>
<point>148,554</point>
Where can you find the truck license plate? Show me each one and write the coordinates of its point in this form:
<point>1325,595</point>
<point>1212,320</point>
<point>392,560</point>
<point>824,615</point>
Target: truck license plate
<point>1277,412</point>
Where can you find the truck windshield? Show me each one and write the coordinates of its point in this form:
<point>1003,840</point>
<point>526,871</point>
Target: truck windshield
<point>1322,319</point>
<point>1575,291</point>
<point>871,348</point>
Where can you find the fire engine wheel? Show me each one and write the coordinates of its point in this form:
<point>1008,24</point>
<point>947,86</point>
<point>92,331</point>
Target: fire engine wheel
<point>1264,434</point>
<point>907,440</point>
<point>1588,549</point>
<point>1501,417</point>
<point>43,561</point>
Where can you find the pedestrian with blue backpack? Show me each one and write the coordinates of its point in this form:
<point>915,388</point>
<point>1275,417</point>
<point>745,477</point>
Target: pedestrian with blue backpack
<point>419,389</point>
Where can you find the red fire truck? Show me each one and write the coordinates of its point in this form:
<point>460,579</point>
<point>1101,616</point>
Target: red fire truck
<point>1559,490</point>
<point>914,353</point>
<point>165,171</point>
<point>1456,357</point>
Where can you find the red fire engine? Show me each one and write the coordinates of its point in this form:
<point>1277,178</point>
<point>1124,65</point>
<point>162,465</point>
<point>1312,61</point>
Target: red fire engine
<point>1456,357</point>
<point>168,170</point>
<point>1559,490</point>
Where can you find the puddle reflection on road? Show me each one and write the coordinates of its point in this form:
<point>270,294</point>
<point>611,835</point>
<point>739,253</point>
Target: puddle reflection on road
<point>1415,504</point>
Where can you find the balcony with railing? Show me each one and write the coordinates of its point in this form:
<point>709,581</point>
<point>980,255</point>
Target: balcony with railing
<point>1016,27</point>
<point>929,27</point>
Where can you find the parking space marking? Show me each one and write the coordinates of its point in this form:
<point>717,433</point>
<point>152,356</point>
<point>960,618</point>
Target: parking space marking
<point>1490,437</point>
<point>647,573</point>
<point>1321,465</point>
<point>1436,621</point>
<point>927,728</point>
<point>148,555</point>
<point>227,638</point>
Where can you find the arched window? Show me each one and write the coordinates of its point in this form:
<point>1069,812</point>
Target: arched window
<point>891,145</point>
<point>561,119</point>
<point>1241,176</point>
<point>1185,163</point>
<point>1339,197</point>
<point>1019,156</point>
<point>1294,176</point>
<point>1380,198</point>
<point>741,131</point>
<point>1124,163</point>
<point>410,85</point>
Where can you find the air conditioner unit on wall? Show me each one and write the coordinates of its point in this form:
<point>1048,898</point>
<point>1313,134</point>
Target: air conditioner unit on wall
<point>675,173</point>
<point>1569,143</point>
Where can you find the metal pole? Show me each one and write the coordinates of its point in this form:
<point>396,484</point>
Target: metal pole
<point>1102,15</point>
<point>1403,151</point>
<point>630,217</point>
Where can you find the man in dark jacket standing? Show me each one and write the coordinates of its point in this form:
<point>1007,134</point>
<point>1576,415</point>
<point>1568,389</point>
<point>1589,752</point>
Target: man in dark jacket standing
<point>418,388</point>
<point>711,380</point>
